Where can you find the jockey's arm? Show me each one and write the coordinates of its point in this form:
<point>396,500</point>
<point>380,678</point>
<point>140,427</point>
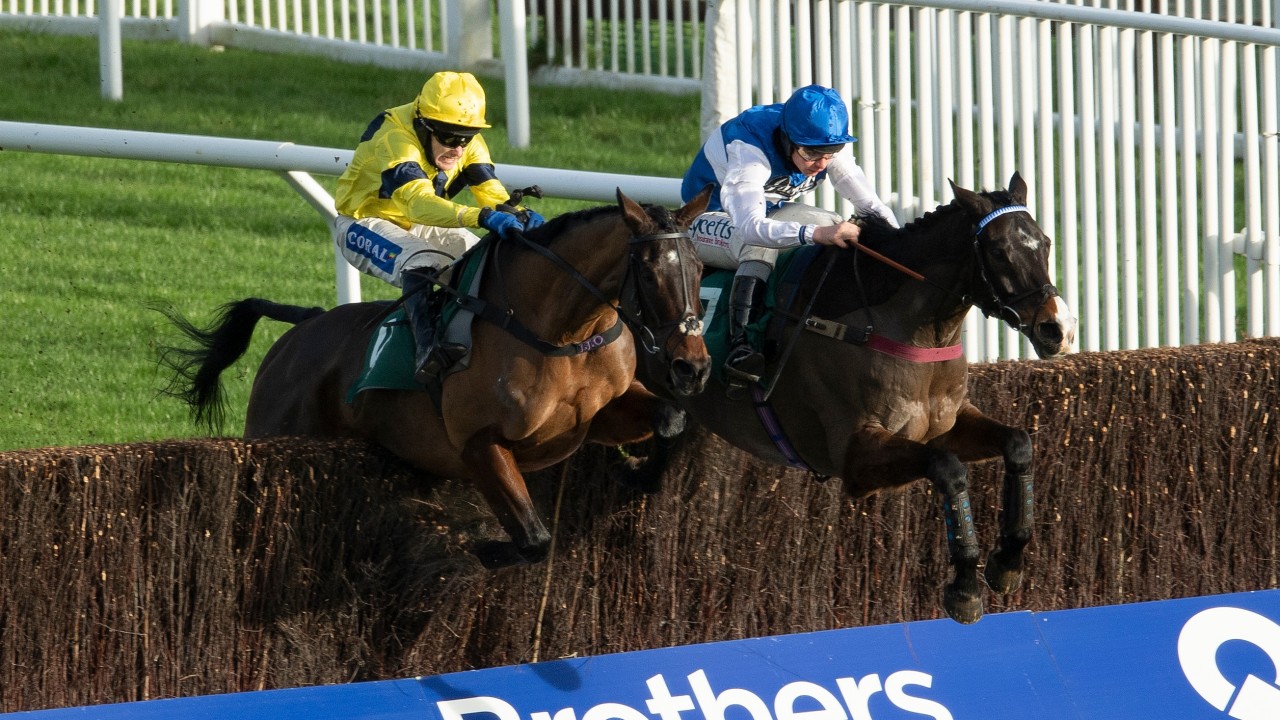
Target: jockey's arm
<point>853,185</point>
<point>742,196</point>
<point>419,203</point>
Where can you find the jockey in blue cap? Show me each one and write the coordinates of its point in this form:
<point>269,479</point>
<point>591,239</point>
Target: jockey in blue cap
<point>757,161</point>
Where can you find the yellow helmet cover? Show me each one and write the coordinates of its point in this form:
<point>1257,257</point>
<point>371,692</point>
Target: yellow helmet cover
<point>454,98</point>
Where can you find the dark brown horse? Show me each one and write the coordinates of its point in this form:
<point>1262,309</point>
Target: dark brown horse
<point>873,387</point>
<point>516,407</point>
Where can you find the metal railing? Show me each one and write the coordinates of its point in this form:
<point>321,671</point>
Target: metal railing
<point>1150,142</point>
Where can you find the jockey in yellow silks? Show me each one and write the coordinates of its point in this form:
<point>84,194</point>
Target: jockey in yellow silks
<point>397,219</point>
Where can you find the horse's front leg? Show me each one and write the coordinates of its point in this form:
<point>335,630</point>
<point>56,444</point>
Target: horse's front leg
<point>502,484</point>
<point>978,437</point>
<point>893,461</point>
<point>634,417</point>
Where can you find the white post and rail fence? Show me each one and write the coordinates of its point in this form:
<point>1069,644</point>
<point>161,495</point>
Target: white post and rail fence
<point>1150,140</point>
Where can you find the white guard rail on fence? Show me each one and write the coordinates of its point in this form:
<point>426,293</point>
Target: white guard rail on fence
<point>296,163</point>
<point>1150,140</point>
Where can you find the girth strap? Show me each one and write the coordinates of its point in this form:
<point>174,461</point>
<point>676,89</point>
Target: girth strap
<point>880,343</point>
<point>508,322</point>
<point>769,420</point>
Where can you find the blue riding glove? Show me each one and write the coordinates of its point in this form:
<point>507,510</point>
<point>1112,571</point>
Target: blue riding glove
<point>532,219</point>
<point>502,223</point>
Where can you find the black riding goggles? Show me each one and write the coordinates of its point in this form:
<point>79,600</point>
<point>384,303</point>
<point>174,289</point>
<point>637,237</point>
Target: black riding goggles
<point>447,137</point>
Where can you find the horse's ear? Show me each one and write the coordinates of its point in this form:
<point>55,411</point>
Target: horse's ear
<point>971,200</point>
<point>1018,188</point>
<point>695,207</point>
<point>634,215</point>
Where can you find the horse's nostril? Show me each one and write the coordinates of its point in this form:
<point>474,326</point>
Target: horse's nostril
<point>1050,332</point>
<point>682,369</point>
<point>688,378</point>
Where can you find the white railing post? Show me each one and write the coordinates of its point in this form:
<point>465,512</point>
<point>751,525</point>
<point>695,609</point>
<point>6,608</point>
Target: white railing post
<point>196,18</point>
<point>515,61</point>
<point>110,54</point>
<point>470,29</point>
<point>347,277</point>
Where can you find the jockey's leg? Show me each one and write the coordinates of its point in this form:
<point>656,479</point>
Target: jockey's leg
<point>411,260</point>
<point>745,364</point>
<point>430,356</point>
<point>719,245</point>
<point>434,356</point>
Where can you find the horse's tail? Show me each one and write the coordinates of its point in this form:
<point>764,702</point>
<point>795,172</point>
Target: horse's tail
<point>196,369</point>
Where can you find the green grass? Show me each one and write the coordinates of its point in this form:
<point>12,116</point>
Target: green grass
<point>90,243</point>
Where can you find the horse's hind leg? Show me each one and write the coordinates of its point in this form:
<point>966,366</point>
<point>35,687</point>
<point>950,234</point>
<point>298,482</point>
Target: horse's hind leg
<point>503,487</point>
<point>978,437</point>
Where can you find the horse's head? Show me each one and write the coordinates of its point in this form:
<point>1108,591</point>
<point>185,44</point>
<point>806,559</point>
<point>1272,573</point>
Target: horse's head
<point>667,274</point>
<point>1012,259</point>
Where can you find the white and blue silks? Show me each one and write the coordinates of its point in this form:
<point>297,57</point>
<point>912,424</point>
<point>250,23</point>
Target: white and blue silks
<point>745,162</point>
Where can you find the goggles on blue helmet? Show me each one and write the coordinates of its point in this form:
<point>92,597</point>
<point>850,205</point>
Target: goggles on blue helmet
<point>814,153</point>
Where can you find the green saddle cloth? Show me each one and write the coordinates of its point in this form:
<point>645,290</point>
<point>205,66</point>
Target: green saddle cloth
<point>715,292</point>
<point>389,361</point>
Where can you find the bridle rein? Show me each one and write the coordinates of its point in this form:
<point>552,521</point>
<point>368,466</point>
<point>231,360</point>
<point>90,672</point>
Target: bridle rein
<point>689,323</point>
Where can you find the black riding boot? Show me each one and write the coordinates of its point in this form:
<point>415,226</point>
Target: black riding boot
<point>432,359</point>
<point>745,364</point>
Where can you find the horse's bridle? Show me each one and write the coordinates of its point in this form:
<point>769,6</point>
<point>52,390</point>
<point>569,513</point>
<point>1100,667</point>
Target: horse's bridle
<point>993,305</point>
<point>689,324</point>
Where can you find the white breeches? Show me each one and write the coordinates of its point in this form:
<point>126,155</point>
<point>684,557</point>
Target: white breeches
<point>384,250</point>
<point>720,246</point>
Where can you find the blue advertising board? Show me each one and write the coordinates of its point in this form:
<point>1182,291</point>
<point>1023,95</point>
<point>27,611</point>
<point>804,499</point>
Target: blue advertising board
<point>1206,657</point>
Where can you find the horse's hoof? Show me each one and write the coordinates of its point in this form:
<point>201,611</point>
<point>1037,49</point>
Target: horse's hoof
<point>496,554</point>
<point>962,607</point>
<point>1001,578</point>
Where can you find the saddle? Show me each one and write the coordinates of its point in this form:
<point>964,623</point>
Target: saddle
<point>389,358</point>
<point>768,332</point>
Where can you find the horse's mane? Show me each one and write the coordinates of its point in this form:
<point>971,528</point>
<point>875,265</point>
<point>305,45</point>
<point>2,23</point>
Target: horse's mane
<point>934,237</point>
<point>553,228</point>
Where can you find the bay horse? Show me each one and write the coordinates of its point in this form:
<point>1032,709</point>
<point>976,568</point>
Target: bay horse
<point>517,406</point>
<point>873,385</point>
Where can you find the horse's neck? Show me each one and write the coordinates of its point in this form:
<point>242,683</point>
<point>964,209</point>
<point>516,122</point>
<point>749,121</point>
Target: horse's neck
<point>557,305</point>
<point>929,313</point>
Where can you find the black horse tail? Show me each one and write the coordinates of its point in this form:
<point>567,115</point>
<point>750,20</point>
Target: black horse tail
<point>196,369</point>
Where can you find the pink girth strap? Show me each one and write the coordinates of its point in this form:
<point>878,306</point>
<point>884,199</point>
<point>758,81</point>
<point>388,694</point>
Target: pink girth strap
<point>911,353</point>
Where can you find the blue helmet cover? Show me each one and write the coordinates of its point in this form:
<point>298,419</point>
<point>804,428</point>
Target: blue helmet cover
<point>816,115</point>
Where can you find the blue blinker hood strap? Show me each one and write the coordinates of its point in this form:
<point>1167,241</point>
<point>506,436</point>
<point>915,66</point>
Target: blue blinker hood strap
<point>982,224</point>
